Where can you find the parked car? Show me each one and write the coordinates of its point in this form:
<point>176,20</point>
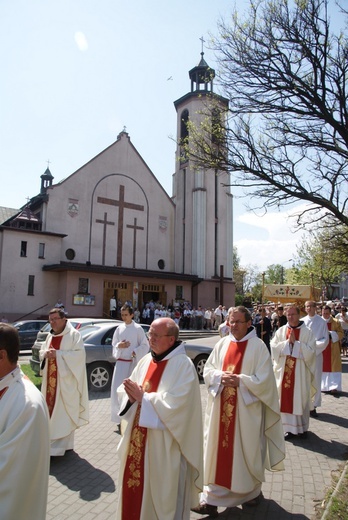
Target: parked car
<point>100,363</point>
<point>28,330</point>
<point>40,337</point>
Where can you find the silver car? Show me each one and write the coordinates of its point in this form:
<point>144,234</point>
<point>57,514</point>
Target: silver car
<point>100,363</point>
<point>78,323</point>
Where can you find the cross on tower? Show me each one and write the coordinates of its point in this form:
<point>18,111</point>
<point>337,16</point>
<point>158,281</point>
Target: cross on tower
<point>106,223</point>
<point>203,42</point>
<point>122,205</point>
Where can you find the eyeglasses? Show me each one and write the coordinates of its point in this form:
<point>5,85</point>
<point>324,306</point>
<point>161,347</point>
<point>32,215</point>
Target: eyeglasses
<point>51,320</point>
<point>237,322</point>
<point>156,336</point>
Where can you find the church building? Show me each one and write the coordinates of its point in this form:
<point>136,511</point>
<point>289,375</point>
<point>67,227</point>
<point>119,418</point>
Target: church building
<point>110,229</point>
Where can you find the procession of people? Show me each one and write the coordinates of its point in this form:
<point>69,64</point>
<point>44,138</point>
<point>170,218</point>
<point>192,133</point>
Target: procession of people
<point>260,394</point>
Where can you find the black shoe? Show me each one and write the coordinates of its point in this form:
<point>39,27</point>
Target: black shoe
<point>302,435</point>
<point>314,413</point>
<point>254,501</point>
<point>288,436</point>
<point>206,509</point>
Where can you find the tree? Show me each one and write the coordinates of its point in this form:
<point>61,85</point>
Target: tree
<point>285,135</point>
<point>318,261</point>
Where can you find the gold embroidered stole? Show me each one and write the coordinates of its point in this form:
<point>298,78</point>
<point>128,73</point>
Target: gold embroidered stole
<point>133,477</point>
<point>288,381</point>
<point>228,409</point>
<point>52,375</point>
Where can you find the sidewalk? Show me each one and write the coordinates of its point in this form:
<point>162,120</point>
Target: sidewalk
<point>83,483</point>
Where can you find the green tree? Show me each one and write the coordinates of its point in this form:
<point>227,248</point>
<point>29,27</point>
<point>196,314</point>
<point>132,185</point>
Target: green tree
<point>285,135</point>
<point>318,261</point>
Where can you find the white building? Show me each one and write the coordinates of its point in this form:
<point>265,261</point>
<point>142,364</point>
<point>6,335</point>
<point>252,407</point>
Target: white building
<point>111,229</point>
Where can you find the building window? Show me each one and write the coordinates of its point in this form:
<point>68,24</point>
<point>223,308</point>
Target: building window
<point>23,248</point>
<point>70,254</point>
<point>83,286</point>
<point>217,294</point>
<point>31,281</point>
<point>178,292</point>
<point>41,250</point>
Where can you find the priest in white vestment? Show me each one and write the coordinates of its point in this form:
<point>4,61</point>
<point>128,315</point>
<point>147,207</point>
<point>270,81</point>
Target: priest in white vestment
<point>161,452</point>
<point>332,364</point>
<point>24,437</point>
<point>242,433</point>
<point>129,345</point>
<point>294,353</point>
<point>315,322</point>
<point>64,382</point>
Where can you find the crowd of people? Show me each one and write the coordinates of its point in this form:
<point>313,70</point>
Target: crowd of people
<point>264,379</point>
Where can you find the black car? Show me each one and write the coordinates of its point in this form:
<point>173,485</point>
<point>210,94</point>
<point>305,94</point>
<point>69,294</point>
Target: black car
<point>28,330</point>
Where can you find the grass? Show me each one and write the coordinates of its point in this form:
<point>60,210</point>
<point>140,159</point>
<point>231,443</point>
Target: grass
<point>29,373</point>
<point>338,504</point>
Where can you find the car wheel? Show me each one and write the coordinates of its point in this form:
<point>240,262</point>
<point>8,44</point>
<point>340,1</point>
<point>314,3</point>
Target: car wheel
<point>199,363</point>
<point>99,376</point>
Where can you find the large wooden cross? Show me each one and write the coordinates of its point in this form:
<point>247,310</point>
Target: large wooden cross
<point>106,223</point>
<point>122,205</point>
<point>135,228</point>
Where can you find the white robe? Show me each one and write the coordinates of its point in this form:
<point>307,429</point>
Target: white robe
<point>174,452</point>
<point>333,380</point>
<point>125,362</point>
<point>318,326</point>
<point>259,440</point>
<point>305,352</point>
<point>24,449</point>
<point>71,409</point>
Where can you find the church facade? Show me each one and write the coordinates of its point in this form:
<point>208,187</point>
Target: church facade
<point>110,229</point>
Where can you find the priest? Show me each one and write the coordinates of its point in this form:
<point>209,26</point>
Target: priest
<point>64,381</point>
<point>294,354</point>
<point>332,364</point>
<point>24,437</point>
<point>242,432</point>
<point>161,421</point>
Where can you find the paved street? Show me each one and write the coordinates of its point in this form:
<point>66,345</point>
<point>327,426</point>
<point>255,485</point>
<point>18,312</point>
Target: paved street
<point>83,484</point>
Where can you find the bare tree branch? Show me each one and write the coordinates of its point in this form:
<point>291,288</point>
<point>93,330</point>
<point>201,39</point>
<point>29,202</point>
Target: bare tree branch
<point>285,135</point>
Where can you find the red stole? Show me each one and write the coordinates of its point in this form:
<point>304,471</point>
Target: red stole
<point>133,477</point>
<point>327,361</point>
<point>3,391</point>
<point>288,381</point>
<point>52,375</point>
<point>228,411</point>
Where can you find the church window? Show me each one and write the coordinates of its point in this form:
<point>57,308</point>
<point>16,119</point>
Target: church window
<point>161,264</point>
<point>217,294</point>
<point>41,250</point>
<point>23,248</point>
<point>70,254</point>
<point>179,292</point>
<point>31,280</point>
<point>184,134</point>
<point>83,286</point>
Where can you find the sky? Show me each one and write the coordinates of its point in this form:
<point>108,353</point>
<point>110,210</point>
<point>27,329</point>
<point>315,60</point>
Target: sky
<point>75,73</point>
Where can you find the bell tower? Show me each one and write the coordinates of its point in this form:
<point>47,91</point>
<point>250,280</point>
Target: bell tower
<point>203,226</point>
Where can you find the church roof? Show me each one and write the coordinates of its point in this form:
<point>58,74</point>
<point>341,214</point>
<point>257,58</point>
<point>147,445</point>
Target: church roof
<point>27,215</point>
<point>7,213</point>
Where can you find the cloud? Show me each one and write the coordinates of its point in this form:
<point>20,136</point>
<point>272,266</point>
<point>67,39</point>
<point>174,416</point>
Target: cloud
<point>81,41</point>
<point>267,239</point>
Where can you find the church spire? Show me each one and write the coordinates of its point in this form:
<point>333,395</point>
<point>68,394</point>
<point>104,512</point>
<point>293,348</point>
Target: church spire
<point>46,180</point>
<point>202,75</point>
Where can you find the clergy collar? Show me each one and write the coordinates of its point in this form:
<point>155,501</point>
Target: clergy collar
<point>159,357</point>
<point>300,323</point>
